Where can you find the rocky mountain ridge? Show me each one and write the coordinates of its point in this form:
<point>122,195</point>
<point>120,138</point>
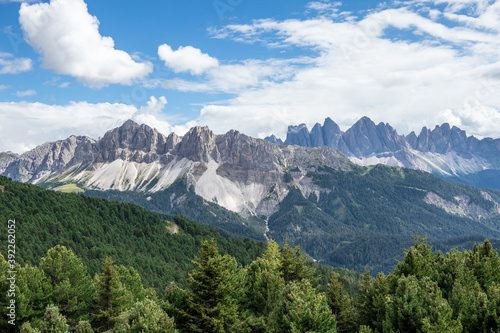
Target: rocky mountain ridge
<point>234,170</point>
<point>445,151</point>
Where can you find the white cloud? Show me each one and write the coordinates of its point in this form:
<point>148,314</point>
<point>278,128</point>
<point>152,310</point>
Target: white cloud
<point>237,77</point>
<point>325,7</point>
<point>186,59</point>
<point>26,125</point>
<point>431,73</point>
<point>68,39</point>
<point>482,118</point>
<point>3,87</point>
<point>11,65</point>
<point>25,93</point>
<point>403,18</point>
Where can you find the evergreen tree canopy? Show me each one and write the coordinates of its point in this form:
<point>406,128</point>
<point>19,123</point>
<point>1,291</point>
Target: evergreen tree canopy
<point>145,316</point>
<point>111,298</point>
<point>215,285</point>
<point>342,306</point>
<point>72,288</point>
<point>302,309</point>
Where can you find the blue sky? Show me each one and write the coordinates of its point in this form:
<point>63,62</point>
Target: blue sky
<point>83,67</point>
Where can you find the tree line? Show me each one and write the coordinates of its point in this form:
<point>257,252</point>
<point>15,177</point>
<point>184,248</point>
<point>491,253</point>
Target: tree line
<point>277,292</point>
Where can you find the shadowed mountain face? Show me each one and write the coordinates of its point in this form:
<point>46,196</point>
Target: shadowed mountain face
<point>445,151</point>
<point>314,197</point>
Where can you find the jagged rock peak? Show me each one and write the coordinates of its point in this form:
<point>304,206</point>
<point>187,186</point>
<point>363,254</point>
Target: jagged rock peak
<point>198,145</point>
<point>298,135</point>
<point>125,142</point>
<point>274,139</point>
<point>365,121</point>
<point>129,124</point>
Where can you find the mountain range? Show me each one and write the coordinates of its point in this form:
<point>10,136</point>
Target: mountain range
<point>444,151</point>
<point>316,197</point>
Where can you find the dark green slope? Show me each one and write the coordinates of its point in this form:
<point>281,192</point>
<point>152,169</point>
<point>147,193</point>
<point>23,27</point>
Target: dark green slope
<point>391,201</point>
<point>373,213</point>
<point>95,228</point>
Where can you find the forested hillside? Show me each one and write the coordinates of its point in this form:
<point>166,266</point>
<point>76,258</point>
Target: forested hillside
<point>372,214</point>
<point>427,292</point>
<point>96,228</point>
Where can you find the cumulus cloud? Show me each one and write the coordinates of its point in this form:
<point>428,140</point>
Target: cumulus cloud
<point>403,65</point>
<point>11,65</point>
<point>26,125</point>
<point>68,40</point>
<point>25,93</point>
<point>237,77</point>
<point>186,59</point>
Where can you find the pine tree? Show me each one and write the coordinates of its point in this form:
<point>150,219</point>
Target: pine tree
<point>132,283</point>
<point>342,306</point>
<point>295,267</point>
<point>4,287</point>
<point>34,294</point>
<point>176,305</point>
<point>302,309</point>
<point>264,287</point>
<point>145,316</point>
<point>84,327</point>
<point>418,306</point>
<point>53,321</point>
<point>26,328</point>
<point>485,263</point>
<point>419,260</point>
<point>214,288</point>
<point>372,297</point>
<point>72,289</point>
<point>493,318</point>
<point>111,297</point>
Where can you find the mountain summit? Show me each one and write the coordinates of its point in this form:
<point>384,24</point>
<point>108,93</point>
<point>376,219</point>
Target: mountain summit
<point>445,151</point>
<point>234,170</point>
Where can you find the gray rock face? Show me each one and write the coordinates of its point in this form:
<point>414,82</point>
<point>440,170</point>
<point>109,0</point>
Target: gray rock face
<point>362,139</point>
<point>298,135</point>
<point>274,139</point>
<point>316,136</point>
<point>136,143</point>
<point>198,145</point>
<point>236,170</point>
<point>332,135</point>
<point>446,151</point>
<point>365,138</point>
<point>443,139</point>
<point>130,142</point>
<point>50,157</point>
